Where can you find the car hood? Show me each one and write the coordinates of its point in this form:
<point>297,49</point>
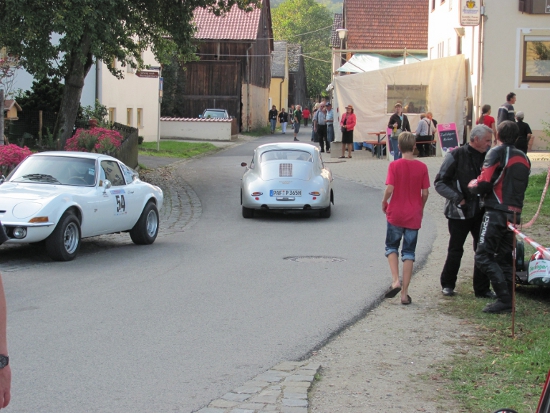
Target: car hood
<point>36,192</point>
<point>295,170</point>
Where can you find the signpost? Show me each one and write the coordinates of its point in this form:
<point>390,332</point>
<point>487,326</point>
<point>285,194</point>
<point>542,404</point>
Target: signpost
<point>448,136</point>
<point>470,12</point>
<point>148,74</point>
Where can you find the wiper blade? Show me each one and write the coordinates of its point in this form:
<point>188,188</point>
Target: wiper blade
<point>41,177</point>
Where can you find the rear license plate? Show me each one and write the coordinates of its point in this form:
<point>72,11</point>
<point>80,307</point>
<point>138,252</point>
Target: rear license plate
<point>285,192</point>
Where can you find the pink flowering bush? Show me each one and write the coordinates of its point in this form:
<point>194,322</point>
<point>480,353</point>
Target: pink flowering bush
<point>11,155</point>
<point>98,140</point>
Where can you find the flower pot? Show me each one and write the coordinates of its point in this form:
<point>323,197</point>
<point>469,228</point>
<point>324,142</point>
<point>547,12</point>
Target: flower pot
<point>93,123</point>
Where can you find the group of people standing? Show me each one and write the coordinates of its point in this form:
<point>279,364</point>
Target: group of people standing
<point>484,189</point>
<point>294,116</point>
<point>425,131</point>
<point>507,112</point>
<point>322,127</point>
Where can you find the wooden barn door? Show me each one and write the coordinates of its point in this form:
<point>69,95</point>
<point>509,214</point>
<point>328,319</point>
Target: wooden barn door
<point>213,84</point>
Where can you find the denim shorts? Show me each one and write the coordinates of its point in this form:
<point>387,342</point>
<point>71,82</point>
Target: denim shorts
<point>393,240</point>
<point>296,127</point>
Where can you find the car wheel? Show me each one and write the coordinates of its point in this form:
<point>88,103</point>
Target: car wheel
<point>248,212</point>
<point>64,242</point>
<point>325,213</point>
<point>147,227</point>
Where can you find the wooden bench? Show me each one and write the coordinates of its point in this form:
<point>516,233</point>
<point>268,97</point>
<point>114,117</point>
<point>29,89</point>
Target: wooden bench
<point>377,147</point>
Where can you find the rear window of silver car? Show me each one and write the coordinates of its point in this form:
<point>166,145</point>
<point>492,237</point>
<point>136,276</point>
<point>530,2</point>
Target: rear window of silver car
<point>290,155</point>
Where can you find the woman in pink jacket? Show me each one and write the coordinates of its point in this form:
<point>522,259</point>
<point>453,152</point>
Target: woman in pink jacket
<point>347,124</point>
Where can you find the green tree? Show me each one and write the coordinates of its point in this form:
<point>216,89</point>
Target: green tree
<point>308,23</point>
<point>92,30</point>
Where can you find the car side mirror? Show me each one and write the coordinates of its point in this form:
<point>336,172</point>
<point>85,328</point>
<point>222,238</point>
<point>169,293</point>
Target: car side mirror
<point>2,179</point>
<point>243,164</point>
<point>106,185</point>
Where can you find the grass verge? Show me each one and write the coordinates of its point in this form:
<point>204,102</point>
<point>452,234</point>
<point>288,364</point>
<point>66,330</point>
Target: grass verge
<point>497,370</point>
<point>258,132</point>
<point>176,149</point>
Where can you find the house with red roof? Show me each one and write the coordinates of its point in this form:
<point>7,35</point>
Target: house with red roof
<point>234,67</point>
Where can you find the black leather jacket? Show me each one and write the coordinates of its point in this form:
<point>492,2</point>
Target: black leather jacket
<point>459,167</point>
<point>395,118</point>
<point>503,179</point>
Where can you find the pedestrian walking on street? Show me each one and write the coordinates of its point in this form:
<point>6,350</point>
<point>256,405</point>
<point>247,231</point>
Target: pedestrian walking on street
<point>297,120</point>
<point>403,203</point>
<point>422,135</point>
<point>487,120</point>
<point>320,127</point>
<point>463,209</point>
<point>330,124</point>
<point>501,184</point>
<point>398,123</point>
<point>347,125</point>
<point>525,133</point>
<point>283,119</point>
<point>273,118</point>
<point>507,111</point>
<point>306,114</point>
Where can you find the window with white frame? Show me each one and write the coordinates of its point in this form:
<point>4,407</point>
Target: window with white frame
<point>129,116</point>
<point>139,118</point>
<point>535,58</point>
<point>112,115</point>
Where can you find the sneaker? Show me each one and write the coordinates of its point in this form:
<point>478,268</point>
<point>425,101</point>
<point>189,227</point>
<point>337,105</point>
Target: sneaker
<point>449,292</point>
<point>295,139</point>
<point>498,307</point>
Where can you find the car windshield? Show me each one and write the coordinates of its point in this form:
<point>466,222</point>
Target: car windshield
<point>214,114</point>
<point>59,170</point>
<point>287,155</point>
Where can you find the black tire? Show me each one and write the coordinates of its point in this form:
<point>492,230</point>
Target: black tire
<point>520,256</point>
<point>325,213</point>
<point>64,242</point>
<point>147,227</point>
<point>248,212</point>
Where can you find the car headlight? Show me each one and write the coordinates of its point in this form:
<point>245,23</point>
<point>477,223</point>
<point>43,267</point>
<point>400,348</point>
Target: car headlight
<point>19,232</point>
<point>26,209</point>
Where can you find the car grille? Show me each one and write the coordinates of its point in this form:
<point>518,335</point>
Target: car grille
<point>285,170</point>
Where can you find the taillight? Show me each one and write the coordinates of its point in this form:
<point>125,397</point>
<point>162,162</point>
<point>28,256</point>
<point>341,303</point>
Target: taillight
<point>315,193</point>
<point>257,193</point>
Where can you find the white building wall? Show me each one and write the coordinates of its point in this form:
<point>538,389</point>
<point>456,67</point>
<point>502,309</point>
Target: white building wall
<point>133,93</point>
<point>501,61</point>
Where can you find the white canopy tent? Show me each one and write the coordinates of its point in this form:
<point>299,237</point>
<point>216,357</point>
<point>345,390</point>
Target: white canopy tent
<point>444,81</point>
<point>361,62</point>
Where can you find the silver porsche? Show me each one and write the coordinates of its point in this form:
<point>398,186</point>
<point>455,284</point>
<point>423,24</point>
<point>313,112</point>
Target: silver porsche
<point>289,176</point>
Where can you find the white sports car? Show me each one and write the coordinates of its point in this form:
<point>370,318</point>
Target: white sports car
<point>286,176</point>
<point>62,197</point>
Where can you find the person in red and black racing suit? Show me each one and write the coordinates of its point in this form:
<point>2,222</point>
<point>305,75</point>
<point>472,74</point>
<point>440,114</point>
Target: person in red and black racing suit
<point>501,184</point>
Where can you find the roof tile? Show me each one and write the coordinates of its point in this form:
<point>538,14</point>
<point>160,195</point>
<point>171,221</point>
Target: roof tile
<point>236,24</point>
<point>383,24</point>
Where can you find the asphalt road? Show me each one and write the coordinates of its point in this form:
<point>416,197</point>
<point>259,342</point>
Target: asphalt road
<point>171,326</point>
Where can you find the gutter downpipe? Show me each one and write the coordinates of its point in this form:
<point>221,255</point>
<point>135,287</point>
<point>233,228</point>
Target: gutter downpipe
<point>248,88</point>
<point>480,60</point>
<point>281,93</point>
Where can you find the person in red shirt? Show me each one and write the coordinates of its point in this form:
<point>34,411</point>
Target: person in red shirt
<point>407,192</point>
<point>487,120</point>
<point>306,113</point>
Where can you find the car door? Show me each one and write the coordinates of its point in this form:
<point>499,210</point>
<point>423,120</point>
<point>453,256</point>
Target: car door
<point>119,203</point>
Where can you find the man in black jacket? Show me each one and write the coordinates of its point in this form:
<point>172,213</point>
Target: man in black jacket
<point>502,184</point>
<point>462,209</point>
